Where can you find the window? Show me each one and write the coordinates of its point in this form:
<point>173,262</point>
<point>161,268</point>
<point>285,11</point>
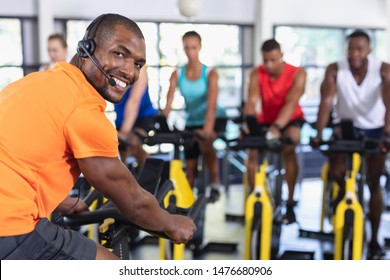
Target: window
<point>221,48</point>
<point>11,55</point>
<point>314,48</point>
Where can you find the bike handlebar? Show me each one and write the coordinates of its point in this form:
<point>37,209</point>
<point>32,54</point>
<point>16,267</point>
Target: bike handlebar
<point>175,137</point>
<point>361,146</point>
<point>261,143</point>
<point>109,210</point>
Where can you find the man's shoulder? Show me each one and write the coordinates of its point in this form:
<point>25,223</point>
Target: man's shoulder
<point>258,69</point>
<point>333,67</point>
<point>385,70</point>
<point>69,69</point>
<point>254,72</point>
<point>293,69</point>
<point>385,66</point>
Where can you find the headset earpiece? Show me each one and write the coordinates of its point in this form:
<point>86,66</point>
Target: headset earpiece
<point>86,44</point>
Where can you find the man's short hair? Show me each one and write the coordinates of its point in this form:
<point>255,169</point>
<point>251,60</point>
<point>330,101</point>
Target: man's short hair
<point>59,37</point>
<point>104,29</point>
<point>270,45</point>
<point>359,33</point>
<point>192,34</point>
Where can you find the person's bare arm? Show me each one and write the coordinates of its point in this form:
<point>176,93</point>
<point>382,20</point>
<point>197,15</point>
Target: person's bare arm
<point>253,93</point>
<point>291,103</point>
<point>253,97</point>
<point>112,178</point>
<point>385,73</point>
<point>211,103</point>
<point>71,205</point>
<point>170,94</point>
<point>133,103</point>
<point>328,92</point>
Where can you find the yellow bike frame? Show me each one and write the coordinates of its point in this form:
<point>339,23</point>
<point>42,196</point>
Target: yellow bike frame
<point>334,190</point>
<point>260,195</point>
<point>183,195</point>
<point>350,202</point>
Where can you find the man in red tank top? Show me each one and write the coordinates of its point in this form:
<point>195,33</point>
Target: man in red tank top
<point>278,86</point>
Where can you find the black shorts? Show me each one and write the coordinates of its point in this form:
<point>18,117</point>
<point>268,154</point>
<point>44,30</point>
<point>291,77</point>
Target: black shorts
<point>374,134</point>
<point>48,241</point>
<point>193,151</point>
<point>261,128</point>
<point>147,123</point>
<point>294,123</point>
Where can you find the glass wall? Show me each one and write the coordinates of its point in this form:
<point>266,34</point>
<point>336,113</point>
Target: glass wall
<point>221,49</point>
<point>314,48</point>
<point>11,55</point>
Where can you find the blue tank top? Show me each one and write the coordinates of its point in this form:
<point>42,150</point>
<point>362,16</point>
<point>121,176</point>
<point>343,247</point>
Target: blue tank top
<point>195,97</point>
<point>146,108</point>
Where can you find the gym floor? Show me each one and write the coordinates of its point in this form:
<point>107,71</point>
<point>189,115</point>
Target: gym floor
<point>222,230</point>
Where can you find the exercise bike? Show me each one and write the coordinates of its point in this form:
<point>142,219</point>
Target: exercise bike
<point>114,228</point>
<point>348,218</point>
<point>263,206</point>
<point>182,194</point>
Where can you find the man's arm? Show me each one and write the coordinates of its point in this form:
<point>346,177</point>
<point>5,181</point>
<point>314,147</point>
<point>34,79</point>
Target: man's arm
<point>328,91</point>
<point>112,178</point>
<point>292,100</point>
<point>253,93</point>
<point>212,79</point>
<point>71,205</point>
<point>170,94</point>
<point>133,103</point>
<point>385,73</point>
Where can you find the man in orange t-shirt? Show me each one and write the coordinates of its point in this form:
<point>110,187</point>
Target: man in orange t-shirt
<point>279,86</point>
<point>53,127</point>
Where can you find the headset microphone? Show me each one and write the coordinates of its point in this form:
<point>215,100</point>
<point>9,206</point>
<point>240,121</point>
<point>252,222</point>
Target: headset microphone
<point>111,81</point>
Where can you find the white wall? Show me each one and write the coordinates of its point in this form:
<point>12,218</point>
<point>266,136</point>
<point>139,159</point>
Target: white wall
<point>25,8</point>
<point>159,10</point>
<point>363,13</point>
<point>232,11</point>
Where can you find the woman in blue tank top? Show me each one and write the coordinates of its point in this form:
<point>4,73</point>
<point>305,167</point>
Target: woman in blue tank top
<point>135,113</point>
<point>199,88</point>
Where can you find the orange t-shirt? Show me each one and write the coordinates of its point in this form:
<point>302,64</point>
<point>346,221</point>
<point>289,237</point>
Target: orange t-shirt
<point>47,121</point>
<point>273,94</point>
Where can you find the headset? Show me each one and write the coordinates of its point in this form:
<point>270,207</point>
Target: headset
<point>86,47</point>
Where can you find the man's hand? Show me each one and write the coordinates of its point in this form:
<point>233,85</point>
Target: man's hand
<point>79,207</point>
<point>71,205</point>
<point>273,133</point>
<point>244,130</point>
<point>316,142</point>
<point>183,228</point>
<point>385,142</point>
<point>165,112</point>
<point>205,134</point>
<point>123,135</point>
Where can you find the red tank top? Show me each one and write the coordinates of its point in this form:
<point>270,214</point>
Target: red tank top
<point>273,94</point>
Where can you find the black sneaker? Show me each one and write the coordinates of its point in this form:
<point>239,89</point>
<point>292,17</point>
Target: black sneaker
<point>289,216</point>
<point>376,253</point>
<point>214,195</point>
